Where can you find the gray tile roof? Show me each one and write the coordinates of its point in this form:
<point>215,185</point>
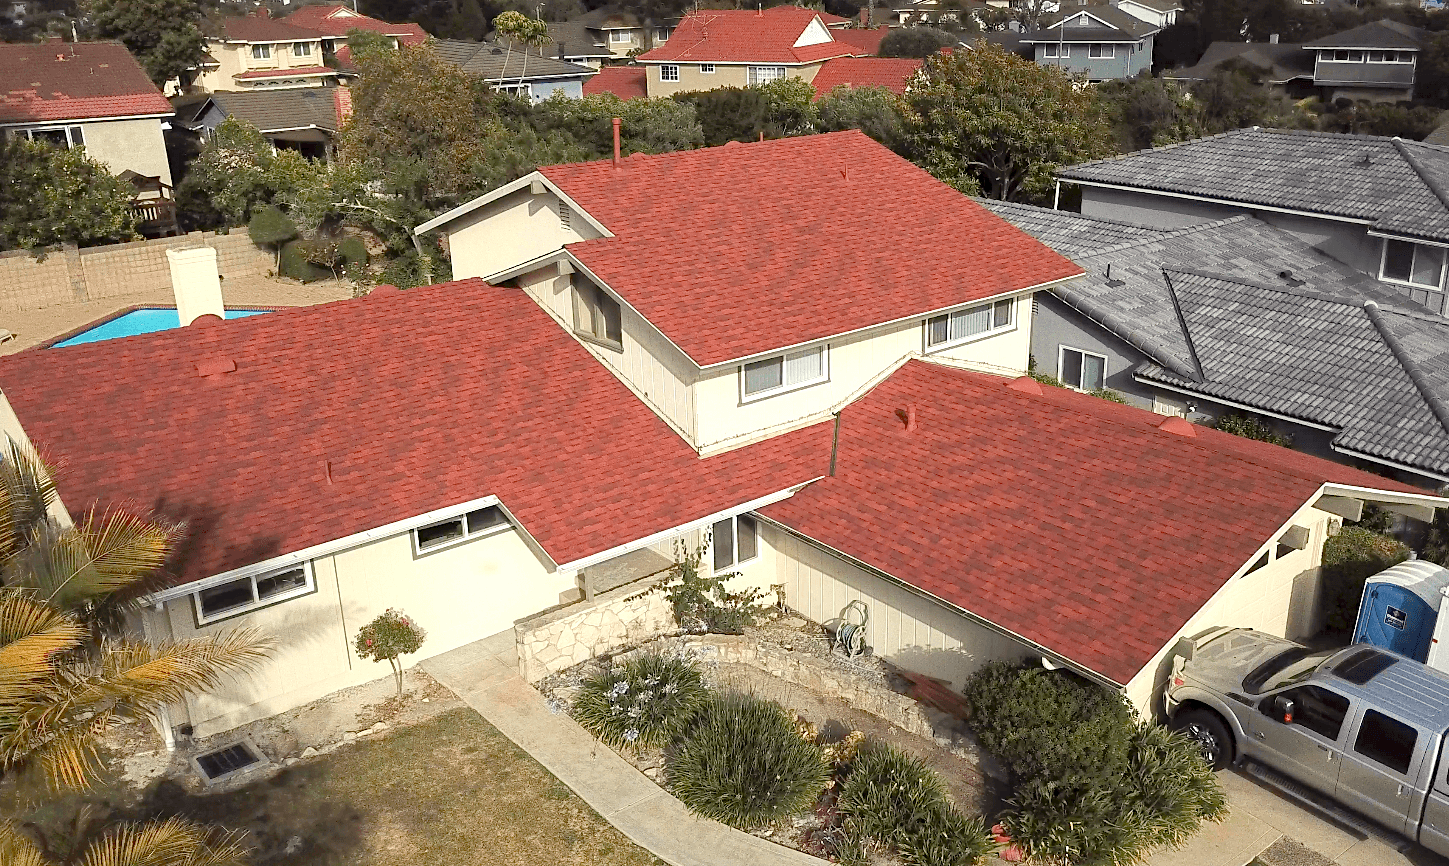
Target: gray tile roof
<point>270,110</point>
<point>1115,18</point>
<point>609,18</point>
<point>1383,33</point>
<point>1282,61</point>
<point>1394,185</point>
<point>1246,312</point>
<point>1440,135</point>
<point>487,61</point>
<point>573,39</point>
<point>1069,233</point>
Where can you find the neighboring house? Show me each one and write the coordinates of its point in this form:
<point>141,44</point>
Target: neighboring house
<point>891,73</point>
<point>333,23</point>
<point>744,324</point>
<point>620,32</point>
<point>258,52</point>
<point>527,75</point>
<point>1158,13</point>
<point>737,48</point>
<point>1239,316</point>
<point>572,42</point>
<point>865,40</point>
<point>1440,135</point>
<point>1376,61</point>
<point>625,82</point>
<point>305,119</point>
<point>478,464</point>
<point>1379,205</point>
<point>86,94</point>
<point>1097,42</point>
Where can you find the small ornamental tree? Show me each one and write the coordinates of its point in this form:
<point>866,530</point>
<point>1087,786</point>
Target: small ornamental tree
<point>269,227</point>
<point>390,635</point>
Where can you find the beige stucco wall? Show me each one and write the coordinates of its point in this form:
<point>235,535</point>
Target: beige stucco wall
<point>134,144</point>
<point>724,75</point>
<point>236,57</point>
<point>458,594</point>
<point>510,231</point>
<point>855,361</point>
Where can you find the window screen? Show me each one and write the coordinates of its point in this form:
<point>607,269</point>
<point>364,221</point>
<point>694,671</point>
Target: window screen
<point>724,544</point>
<point>261,52</point>
<point>440,533</point>
<point>279,582</point>
<point>301,49</point>
<point>485,519</point>
<point>1413,263</point>
<point>1386,741</point>
<point>784,371</point>
<point>1083,370</point>
<point>748,541</point>
<point>764,375</point>
<point>597,315</point>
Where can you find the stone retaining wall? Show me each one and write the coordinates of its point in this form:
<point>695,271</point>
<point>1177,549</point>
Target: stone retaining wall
<point>71,275</point>
<point>565,636</point>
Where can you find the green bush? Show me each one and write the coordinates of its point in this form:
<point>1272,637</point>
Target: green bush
<point>271,228</point>
<point>643,703</point>
<point>894,799</point>
<point>1350,558</point>
<point>1108,394</point>
<point>295,263</point>
<point>701,602</point>
<point>1251,428</point>
<point>742,762</point>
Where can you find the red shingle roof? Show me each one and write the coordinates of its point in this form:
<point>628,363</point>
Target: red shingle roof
<point>261,27</point>
<point>283,73</point>
<point>625,82</point>
<point>892,73</point>
<point>74,80</point>
<point>337,20</point>
<point>419,400</point>
<point>865,41</point>
<point>741,249</point>
<point>1067,519</point>
<point>745,36</point>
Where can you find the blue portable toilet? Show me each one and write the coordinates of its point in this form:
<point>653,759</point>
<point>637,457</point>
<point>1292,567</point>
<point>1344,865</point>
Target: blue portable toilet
<point>1400,608</point>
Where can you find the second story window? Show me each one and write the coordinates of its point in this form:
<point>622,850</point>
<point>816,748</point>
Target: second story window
<point>669,73</point>
<point>618,36</point>
<point>661,35</point>
<point>770,376</point>
<point>261,52</point>
<point>597,317</point>
<point>1054,50</point>
<point>1101,50</point>
<point>301,49</point>
<point>765,74</point>
<point>1416,264</point>
<point>961,326</point>
<point>1085,371</point>
<point>60,136</point>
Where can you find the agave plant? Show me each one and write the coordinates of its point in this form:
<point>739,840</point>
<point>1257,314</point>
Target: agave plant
<point>172,842</point>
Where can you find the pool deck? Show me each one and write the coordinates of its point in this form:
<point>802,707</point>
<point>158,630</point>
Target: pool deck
<point>32,327</point>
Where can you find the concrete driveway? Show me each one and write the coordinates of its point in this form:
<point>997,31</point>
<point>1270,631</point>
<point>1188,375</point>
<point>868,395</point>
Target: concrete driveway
<point>1279,831</point>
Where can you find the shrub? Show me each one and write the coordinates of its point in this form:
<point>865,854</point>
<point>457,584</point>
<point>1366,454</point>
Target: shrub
<point>271,228</point>
<point>894,799</point>
<point>643,703</point>
<point>741,762</point>
<point>391,635</point>
<point>1251,428</point>
<point>296,263</point>
<point>702,603</point>
<point>1108,394</point>
<point>1350,558</point>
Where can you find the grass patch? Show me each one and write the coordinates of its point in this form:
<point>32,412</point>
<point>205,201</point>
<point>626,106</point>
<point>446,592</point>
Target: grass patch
<point>449,790</point>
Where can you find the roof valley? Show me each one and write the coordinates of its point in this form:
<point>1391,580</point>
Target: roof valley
<point>1437,404</point>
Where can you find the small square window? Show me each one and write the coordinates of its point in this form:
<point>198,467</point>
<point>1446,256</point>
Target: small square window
<point>301,49</point>
<point>280,582</point>
<point>619,36</point>
<point>1085,371</point>
<point>736,541</point>
<point>486,520</point>
<point>439,534</point>
<point>261,52</point>
<point>706,69</point>
<point>669,73</point>
<point>1100,50</point>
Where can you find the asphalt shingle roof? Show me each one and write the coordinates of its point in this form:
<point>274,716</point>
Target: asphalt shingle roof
<point>270,110</point>
<point>261,27</point>
<point>573,39</point>
<point>74,80</point>
<point>1072,521</point>
<point>1384,33</point>
<point>1115,19</point>
<point>330,420</point>
<point>496,63</point>
<point>804,238</point>
<point>746,36</point>
<point>625,82</point>
<point>1282,61</point>
<point>892,73</point>
<point>338,20</point>
<point>1398,186</point>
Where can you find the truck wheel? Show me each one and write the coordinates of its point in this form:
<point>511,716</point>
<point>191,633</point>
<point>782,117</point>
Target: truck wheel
<point>1204,728</point>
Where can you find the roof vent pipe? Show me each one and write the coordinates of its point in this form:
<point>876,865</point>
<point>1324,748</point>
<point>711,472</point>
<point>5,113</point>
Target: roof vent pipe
<point>908,416</point>
<point>617,122</point>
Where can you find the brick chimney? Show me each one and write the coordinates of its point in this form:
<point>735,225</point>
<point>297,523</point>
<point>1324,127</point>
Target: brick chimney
<point>196,283</point>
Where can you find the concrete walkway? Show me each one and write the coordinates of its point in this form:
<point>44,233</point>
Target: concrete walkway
<point>485,675</point>
<point>1261,817</point>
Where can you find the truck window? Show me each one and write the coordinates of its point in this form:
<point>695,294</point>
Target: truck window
<point>1315,708</point>
<point>1386,741</point>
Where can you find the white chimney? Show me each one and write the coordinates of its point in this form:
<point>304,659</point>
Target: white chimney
<point>196,283</point>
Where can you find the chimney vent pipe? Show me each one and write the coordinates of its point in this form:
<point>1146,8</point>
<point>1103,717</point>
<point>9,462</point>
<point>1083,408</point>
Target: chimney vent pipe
<point>617,122</point>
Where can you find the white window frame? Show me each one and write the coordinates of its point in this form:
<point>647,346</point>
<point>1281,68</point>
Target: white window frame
<point>1062,351</point>
<point>1049,51</point>
<point>734,527</point>
<point>619,37</point>
<point>1108,51</point>
<point>1384,260</point>
<point>301,49</point>
<point>786,387</point>
<point>261,51</point>
<point>761,75</point>
<point>257,603</point>
<point>706,69</point>
<point>669,72</point>
<point>469,534</point>
<point>74,135</point>
<point>584,294</point>
<point>661,34</point>
<point>929,348</point>
<point>524,90</point>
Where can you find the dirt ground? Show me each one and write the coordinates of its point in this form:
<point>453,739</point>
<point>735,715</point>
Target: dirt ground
<point>36,326</point>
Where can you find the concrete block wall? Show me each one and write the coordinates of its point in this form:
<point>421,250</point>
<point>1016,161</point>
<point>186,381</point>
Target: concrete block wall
<point>116,270</point>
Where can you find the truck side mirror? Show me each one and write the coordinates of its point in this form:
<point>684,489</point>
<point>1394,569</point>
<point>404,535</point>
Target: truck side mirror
<point>1284,708</point>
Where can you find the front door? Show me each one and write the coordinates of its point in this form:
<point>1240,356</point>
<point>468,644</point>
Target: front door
<point>1379,769</point>
<point>1307,748</point>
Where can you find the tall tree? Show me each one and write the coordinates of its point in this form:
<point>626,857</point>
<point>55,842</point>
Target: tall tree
<point>987,121</point>
<point>163,34</point>
<point>50,195</point>
<point>915,42</point>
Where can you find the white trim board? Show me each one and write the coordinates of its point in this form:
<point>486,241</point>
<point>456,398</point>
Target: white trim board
<point>507,189</point>
<point>1246,205</point>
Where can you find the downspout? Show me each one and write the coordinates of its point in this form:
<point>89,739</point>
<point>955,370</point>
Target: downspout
<point>1057,197</point>
<point>834,444</point>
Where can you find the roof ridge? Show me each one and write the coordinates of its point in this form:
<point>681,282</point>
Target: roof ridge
<point>990,202</point>
<point>1266,287</point>
<point>1437,404</point>
<point>1167,234</point>
<point>1413,161</point>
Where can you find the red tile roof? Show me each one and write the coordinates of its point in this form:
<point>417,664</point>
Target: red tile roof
<point>74,80</point>
<point>892,73</point>
<point>261,27</point>
<point>418,400</point>
<point>865,41</point>
<point>745,36</point>
<point>736,250</point>
<point>337,20</point>
<point>1072,521</point>
<point>625,82</point>
<point>283,73</point>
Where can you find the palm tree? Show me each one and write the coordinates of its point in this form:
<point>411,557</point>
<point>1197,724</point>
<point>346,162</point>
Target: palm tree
<point>67,670</point>
<point>172,842</point>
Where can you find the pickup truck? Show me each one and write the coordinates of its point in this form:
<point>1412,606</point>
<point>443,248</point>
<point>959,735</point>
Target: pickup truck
<point>1362,725</point>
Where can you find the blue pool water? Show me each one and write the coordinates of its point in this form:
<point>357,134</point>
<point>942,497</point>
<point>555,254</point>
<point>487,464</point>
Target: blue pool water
<point>145,321</point>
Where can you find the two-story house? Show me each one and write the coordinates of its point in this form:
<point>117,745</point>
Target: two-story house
<point>258,51</point>
<point>740,322</point>
<point>608,33</point>
<point>739,48</point>
<point>1376,204</point>
<point>1097,42</point>
<point>532,77</point>
<point>334,21</point>
<point>86,94</point>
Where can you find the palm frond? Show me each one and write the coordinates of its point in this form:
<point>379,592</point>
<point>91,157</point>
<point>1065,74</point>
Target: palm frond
<point>70,756</point>
<point>105,555</point>
<point>147,676</point>
<point>16,849</point>
<point>171,842</point>
<point>27,490</point>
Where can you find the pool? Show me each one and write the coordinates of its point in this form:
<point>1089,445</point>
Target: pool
<point>147,320</point>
